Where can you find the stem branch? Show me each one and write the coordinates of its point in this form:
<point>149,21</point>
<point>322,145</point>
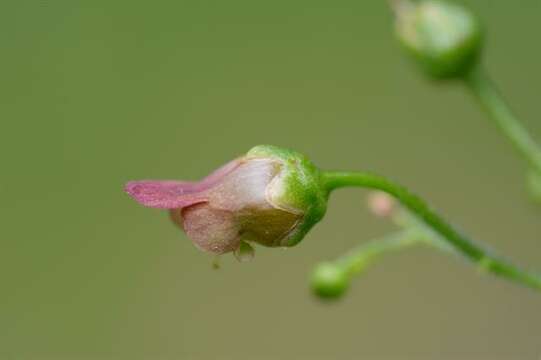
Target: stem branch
<point>461,243</point>
<point>360,257</point>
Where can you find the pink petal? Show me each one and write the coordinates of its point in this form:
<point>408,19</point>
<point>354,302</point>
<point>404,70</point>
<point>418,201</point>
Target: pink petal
<point>217,175</point>
<point>212,230</point>
<point>165,194</point>
<point>170,194</point>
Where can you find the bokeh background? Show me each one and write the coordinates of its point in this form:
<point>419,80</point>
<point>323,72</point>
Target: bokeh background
<point>95,93</point>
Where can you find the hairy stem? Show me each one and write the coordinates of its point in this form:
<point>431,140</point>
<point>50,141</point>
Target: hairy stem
<point>498,110</point>
<point>461,243</point>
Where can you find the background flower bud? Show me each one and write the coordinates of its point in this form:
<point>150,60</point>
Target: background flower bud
<point>381,204</point>
<point>445,39</point>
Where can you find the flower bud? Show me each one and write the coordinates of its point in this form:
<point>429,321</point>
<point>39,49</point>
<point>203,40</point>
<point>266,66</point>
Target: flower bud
<point>270,196</point>
<point>381,204</point>
<point>445,39</point>
<point>329,281</point>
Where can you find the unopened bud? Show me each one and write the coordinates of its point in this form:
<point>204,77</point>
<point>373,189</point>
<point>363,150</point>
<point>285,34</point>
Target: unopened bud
<point>381,204</point>
<point>444,38</point>
<point>329,281</point>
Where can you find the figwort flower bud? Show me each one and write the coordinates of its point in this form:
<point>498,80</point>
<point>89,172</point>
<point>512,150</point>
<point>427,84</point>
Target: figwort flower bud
<point>444,38</point>
<point>270,196</point>
<point>329,281</point>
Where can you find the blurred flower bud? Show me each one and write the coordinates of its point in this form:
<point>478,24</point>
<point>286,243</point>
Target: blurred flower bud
<point>270,196</point>
<point>381,204</point>
<point>329,281</point>
<point>444,38</point>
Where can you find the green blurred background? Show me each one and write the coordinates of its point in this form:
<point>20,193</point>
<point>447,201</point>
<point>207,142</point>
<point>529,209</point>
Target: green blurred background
<point>95,93</point>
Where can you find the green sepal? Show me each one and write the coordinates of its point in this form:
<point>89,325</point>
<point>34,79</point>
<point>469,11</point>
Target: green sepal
<point>300,189</point>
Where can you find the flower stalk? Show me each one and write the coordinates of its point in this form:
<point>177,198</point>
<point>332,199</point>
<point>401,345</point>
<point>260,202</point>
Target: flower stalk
<point>357,259</point>
<point>330,280</point>
<point>497,109</point>
<point>459,242</point>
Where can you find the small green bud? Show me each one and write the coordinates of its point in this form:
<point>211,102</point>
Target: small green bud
<point>329,281</point>
<point>445,39</point>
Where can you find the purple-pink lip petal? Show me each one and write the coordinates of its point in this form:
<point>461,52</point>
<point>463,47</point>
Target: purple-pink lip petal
<point>164,194</point>
<point>171,194</point>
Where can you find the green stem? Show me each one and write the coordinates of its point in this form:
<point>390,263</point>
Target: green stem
<point>497,109</point>
<point>461,243</point>
<point>359,258</point>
